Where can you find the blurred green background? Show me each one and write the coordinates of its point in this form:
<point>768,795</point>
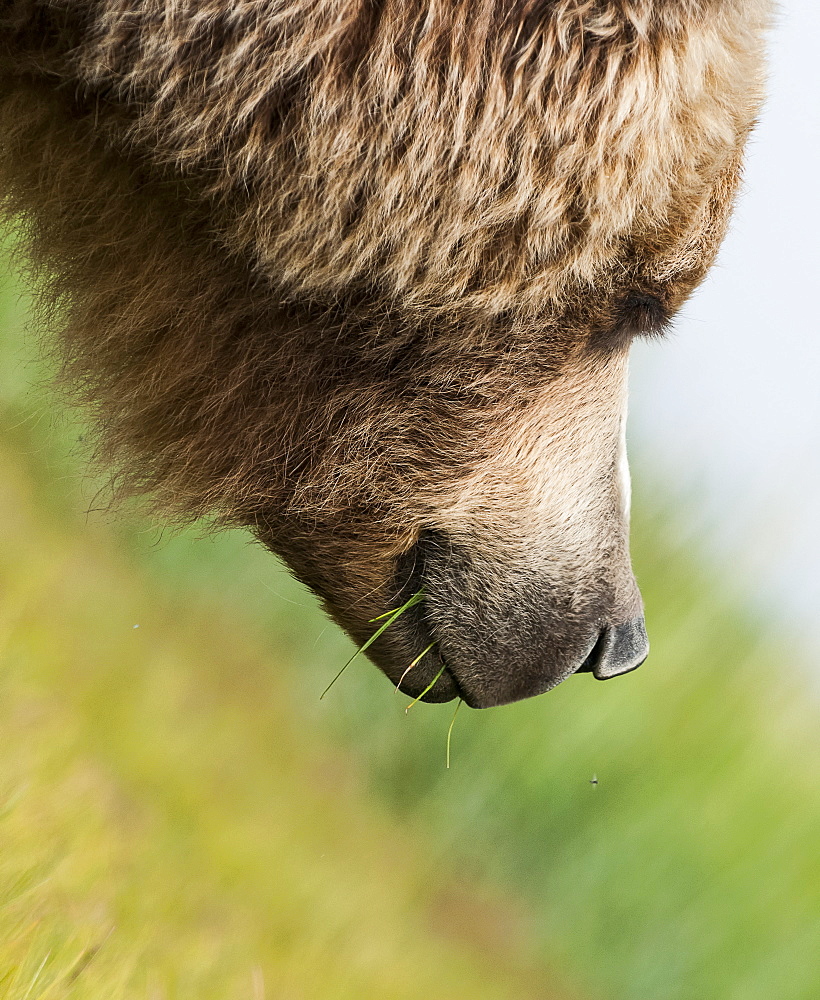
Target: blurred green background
<point>180,816</point>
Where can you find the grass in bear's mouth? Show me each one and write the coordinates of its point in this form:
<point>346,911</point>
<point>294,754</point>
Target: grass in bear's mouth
<point>389,617</point>
<point>421,656</point>
<point>429,686</point>
<point>450,730</point>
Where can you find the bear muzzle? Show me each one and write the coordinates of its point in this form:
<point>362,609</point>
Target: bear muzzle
<point>494,632</point>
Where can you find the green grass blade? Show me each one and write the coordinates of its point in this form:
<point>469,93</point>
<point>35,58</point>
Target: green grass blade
<point>409,603</point>
<point>379,618</point>
<point>450,730</point>
<point>421,655</point>
<point>429,686</point>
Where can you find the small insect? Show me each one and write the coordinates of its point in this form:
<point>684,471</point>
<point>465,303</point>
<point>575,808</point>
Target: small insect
<point>594,780</point>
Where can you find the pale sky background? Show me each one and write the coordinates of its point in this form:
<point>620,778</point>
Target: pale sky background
<point>727,411</point>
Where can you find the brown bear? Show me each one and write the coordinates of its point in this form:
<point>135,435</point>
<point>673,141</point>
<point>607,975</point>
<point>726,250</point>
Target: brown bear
<point>362,276</point>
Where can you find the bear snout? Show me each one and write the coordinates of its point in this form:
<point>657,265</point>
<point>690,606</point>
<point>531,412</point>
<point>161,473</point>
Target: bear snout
<point>494,631</point>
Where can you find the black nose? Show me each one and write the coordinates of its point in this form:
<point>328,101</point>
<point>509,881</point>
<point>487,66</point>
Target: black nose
<point>619,649</point>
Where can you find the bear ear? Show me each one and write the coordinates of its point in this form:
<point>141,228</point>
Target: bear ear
<point>642,314</point>
<point>637,314</point>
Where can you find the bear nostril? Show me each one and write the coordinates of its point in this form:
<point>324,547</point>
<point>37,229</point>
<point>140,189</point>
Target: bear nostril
<point>619,649</point>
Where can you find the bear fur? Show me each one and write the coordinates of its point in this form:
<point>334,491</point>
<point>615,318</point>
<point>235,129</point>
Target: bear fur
<point>362,275</point>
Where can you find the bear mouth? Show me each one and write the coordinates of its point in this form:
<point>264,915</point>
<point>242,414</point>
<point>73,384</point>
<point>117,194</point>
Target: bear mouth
<point>454,636</point>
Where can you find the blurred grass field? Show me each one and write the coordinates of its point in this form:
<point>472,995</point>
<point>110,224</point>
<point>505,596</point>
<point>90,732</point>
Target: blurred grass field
<point>181,817</point>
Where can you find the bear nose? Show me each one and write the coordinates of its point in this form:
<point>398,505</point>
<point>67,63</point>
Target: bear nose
<point>619,649</point>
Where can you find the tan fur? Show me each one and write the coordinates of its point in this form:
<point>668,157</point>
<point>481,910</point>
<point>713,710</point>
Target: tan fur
<point>346,271</point>
<point>464,159</point>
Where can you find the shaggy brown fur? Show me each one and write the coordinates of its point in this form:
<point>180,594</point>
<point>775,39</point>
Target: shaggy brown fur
<point>361,275</point>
